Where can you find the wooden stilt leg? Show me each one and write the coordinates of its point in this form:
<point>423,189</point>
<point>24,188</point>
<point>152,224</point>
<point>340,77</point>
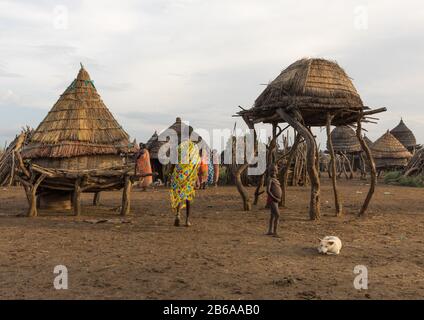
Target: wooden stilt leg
<point>371,164</point>
<point>314,206</point>
<point>239,184</point>
<point>287,169</point>
<point>31,191</point>
<point>337,200</point>
<point>76,197</point>
<point>126,196</point>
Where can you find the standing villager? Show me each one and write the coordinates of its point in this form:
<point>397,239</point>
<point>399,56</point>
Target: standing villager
<point>183,179</point>
<point>203,169</point>
<point>215,161</point>
<point>143,166</point>
<point>274,197</point>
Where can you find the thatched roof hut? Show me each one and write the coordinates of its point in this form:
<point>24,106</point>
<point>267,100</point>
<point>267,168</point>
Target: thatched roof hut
<point>79,132</point>
<point>314,86</point>
<point>388,152</point>
<point>78,147</point>
<point>404,135</point>
<point>344,140</point>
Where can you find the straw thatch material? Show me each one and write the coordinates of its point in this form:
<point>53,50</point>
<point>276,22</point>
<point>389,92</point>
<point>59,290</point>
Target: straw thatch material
<point>314,86</point>
<point>404,135</point>
<point>344,140</point>
<point>388,152</point>
<point>415,166</point>
<point>79,124</point>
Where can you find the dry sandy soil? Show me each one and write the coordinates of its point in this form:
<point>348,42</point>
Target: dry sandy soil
<point>224,255</point>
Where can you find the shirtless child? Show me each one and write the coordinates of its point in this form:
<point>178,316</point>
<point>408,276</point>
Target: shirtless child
<point>274,197</point>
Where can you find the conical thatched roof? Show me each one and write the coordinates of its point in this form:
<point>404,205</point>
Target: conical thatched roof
<point>389,152</point>
<point>344,140</point>
<point>78,124</point>
<point>404,135</point>
<point>314,86</point>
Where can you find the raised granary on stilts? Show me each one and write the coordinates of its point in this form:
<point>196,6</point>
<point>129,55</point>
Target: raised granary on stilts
<point>347,146</point>
<point>389,153</point>
<point>78,147</point>
<point>310,92</point>
<point>405,136</point>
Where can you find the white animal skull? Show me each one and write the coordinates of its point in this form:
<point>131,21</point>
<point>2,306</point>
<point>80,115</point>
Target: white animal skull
<point>330,245</point>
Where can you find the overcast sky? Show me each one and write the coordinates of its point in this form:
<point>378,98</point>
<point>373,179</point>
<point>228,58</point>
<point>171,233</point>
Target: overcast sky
<point>157,59</point>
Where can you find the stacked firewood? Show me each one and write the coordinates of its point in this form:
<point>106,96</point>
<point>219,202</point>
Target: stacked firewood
<point>415,166</point>
<point>7,158</point>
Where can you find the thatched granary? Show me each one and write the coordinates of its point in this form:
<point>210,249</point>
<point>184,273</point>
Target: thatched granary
<point>344,140</point>
<point>404,135</point>
<point>79,132</point>
<point>311,92</point>
<point>389,153</point>
<point>78,147</point>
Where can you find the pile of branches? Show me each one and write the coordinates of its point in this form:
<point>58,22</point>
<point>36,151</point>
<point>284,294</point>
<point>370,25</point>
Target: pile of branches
<point>8,158</point>
<point>415,166</point>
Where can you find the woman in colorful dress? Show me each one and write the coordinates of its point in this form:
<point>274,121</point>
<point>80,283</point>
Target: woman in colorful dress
<point>183,180</point>
<point>203,169</point>
<point>143,166</point>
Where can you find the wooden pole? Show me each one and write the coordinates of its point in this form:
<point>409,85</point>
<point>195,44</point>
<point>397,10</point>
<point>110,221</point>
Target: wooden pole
<point>337,200</point>
<point>76,197</point>
<point>96,199</point>
<point>31,190</point>
<point>244,194</point>
<point>314,205</point>
<point>287,169</point>
<point>371,164</point>
<point>126,196</point>
<point>349,165</point>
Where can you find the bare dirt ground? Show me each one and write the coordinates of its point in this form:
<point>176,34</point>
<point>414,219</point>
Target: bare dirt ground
<point>224,255</point>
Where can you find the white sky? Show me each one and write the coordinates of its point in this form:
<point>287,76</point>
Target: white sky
<point>157,59</point>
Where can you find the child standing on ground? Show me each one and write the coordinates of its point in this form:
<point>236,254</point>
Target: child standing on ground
<point>274,197</point>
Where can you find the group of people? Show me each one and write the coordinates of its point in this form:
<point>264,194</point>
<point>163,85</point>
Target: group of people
<point>195,169</point>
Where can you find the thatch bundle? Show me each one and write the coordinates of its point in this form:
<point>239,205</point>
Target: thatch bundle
<point>8,157</point>
<point>314,86</point>
<point>388,152</point>
<point>79,124</point>
<point>344,140</point>
<point>415,166</point>
<point>404,135</point>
